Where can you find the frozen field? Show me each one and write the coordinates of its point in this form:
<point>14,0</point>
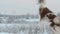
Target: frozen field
<point>14,25</point>
<point>19,28</point>
<point>17,25</point>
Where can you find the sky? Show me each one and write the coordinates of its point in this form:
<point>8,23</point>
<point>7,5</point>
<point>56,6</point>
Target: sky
<point>19,7</point>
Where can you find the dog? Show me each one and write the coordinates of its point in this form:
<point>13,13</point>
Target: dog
<point>54,20</point>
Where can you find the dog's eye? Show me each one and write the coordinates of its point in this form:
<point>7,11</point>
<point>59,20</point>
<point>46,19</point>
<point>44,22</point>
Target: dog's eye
<point>48,14</point>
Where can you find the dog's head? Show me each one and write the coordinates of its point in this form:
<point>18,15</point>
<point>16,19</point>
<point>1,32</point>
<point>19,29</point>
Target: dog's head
<point>50,15</point>
<point>43,12</point>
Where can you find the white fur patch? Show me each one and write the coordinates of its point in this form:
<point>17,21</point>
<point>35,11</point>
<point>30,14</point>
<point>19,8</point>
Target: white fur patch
<point>45,26</point>
<point>56,20</point>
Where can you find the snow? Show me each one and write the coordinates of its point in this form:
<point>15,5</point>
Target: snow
<point>13,28</point>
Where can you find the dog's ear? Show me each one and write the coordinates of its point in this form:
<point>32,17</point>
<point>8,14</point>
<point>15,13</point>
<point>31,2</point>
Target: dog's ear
<point>54,18</point>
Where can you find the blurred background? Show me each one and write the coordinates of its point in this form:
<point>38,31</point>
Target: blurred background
<point>22,16</point>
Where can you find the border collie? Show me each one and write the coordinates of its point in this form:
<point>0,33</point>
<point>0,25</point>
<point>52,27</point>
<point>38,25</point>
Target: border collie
<point>47,15</point>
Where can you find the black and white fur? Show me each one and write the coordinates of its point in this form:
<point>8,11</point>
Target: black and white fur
<point>48,18</point>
